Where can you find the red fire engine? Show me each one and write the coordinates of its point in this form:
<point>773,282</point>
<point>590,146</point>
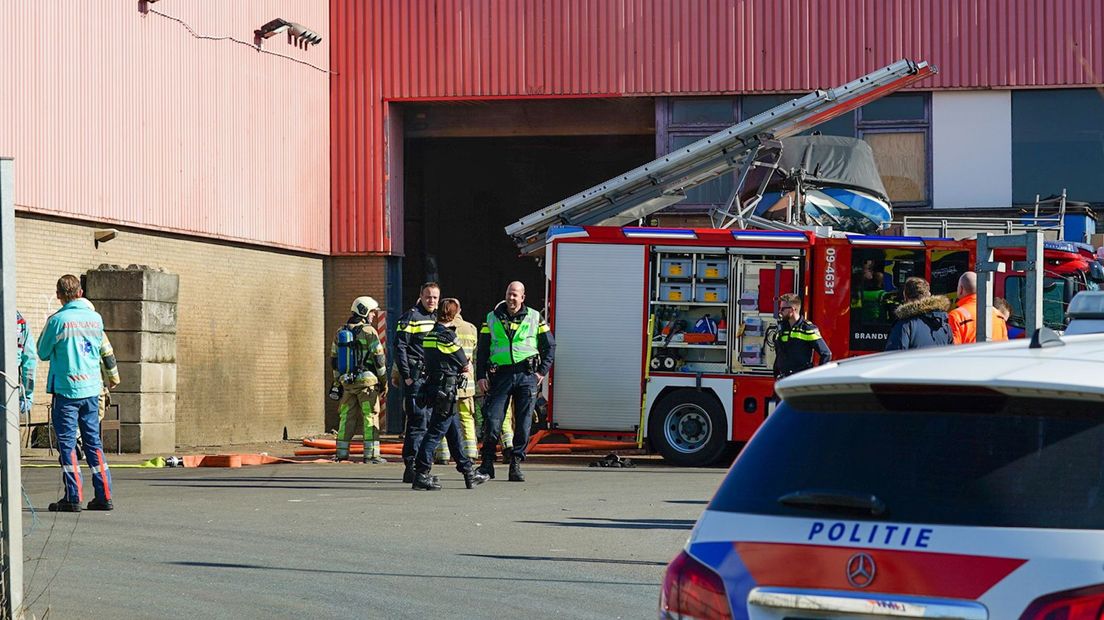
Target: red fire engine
<point>668,334</point>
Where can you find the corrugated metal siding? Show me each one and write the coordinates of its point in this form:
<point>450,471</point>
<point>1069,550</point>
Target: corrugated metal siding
<point>418,49</point>
<point>118,116</point>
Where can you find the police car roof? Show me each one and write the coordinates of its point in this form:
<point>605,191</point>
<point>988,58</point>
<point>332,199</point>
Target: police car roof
<point>1069,371</point>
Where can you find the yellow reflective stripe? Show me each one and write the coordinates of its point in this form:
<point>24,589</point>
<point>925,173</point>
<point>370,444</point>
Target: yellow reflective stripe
<point>447,348</point>
<point>809,336</point>
<point>485,329</point>
<point>416,327</point>
<point>543,329</point>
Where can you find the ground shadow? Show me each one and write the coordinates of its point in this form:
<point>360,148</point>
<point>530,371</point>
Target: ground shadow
<point>545,558</point>
<point>628,524</point>
<point>333,571</point>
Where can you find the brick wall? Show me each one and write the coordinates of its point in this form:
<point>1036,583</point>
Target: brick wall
<point>249,325</point>
<point>346,278</point>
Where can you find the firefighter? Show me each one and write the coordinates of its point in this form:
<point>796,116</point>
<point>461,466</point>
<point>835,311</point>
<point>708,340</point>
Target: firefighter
<point>28,364</point>
<point>797,339</point>
<point>360,379</point>
<point>413,325</point>
<point>446,368</point>
<point>515,353</point>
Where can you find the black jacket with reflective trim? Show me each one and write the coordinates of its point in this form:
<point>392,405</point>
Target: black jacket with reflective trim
<point>443,353</point>
<point>795,346</point>
<point>413,325</point>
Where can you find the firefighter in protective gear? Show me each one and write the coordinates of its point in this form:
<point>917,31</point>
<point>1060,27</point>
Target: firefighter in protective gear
<point>468,335</point>
<point>797,340</point>
<point>360,369</point>
<point>412,327</point>
<point>28,363</point>
<point>446,365</point>
<point>515,353</point>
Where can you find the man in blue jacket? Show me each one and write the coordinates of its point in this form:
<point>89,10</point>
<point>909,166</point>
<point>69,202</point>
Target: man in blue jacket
<point>74,344</point>
<point>922,320</point>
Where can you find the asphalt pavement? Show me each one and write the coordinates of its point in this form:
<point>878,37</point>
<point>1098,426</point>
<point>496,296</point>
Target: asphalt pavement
<point>350,540</point>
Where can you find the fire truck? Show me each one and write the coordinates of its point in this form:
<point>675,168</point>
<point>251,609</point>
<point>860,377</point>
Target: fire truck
<point>667,334</point>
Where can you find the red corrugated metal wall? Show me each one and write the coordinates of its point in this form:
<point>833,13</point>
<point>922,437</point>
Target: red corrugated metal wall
<point>114,115</point>
<point>416,49</point>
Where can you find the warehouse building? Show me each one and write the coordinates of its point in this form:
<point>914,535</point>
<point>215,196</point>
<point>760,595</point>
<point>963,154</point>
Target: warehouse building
<point>280,176</point>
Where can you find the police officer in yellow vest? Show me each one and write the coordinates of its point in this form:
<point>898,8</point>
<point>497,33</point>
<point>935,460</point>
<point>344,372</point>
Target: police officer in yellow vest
<point>515,353</point>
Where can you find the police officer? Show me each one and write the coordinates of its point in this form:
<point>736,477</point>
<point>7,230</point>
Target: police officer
<point>360,379</point>
<point>797,340</point>
<point>413,325</point>
<point>516,350</point>
<point>445,367</point>
<point>468,335</point>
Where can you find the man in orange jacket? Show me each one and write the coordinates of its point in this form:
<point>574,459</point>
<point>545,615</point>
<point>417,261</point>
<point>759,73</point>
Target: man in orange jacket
<point>963,319</point>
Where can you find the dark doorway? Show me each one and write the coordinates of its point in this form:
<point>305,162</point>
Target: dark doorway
<point>462,192</point>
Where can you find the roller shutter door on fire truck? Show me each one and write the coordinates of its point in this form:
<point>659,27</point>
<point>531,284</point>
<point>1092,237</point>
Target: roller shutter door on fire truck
<point>599,301</point>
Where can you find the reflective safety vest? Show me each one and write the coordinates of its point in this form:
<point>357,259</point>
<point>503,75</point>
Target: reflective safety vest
<point>468,336</point>
<point>504,351</point>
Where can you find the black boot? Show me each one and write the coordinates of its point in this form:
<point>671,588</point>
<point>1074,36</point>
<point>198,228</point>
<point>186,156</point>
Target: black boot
<point>507,456</point>
<point>64,506</point>
<point>487,468</point>
<point>425,482</point>
<point>515,471</point>
<point>408,473</point>
<point>474,478</point>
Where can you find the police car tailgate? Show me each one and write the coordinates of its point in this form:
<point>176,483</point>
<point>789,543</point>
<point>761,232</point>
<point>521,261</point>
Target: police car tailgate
<point>779,568</point>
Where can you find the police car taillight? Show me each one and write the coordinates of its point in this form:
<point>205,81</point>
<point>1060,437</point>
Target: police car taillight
<point>692,591</point>
<point>1080,604</point>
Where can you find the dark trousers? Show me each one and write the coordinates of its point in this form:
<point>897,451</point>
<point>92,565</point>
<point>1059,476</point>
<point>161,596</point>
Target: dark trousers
<point>443,422</point>
<point>521,387</point>
<point>417,417</point>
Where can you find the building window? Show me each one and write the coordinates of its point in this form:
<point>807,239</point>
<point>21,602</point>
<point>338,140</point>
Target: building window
<point>898,129</point>
<point>1058,143</point>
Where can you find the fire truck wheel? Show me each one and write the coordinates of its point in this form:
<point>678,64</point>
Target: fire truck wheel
<point>688,428</point>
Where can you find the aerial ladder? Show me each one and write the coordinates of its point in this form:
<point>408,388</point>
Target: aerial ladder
<point>753,143</point>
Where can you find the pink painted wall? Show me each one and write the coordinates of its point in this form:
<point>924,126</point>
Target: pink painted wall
<point>120,116</point>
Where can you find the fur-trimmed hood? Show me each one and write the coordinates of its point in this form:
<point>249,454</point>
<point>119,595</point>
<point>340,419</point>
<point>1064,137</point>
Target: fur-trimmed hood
<point>933,303</point>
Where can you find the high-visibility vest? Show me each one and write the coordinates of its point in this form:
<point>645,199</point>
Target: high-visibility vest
<point>468,335</point>
<point>505,351</point>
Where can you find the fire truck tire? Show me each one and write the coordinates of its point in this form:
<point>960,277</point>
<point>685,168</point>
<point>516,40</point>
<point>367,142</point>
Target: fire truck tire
<point>688,428</point>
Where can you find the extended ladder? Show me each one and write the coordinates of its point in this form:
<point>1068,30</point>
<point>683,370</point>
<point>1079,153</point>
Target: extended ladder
<point>663,182</point>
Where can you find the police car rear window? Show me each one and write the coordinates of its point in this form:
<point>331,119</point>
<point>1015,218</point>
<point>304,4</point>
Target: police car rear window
<point>993,462</point>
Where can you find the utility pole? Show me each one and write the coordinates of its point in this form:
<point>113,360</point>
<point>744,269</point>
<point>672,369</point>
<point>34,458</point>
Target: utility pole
<point>11,500</point>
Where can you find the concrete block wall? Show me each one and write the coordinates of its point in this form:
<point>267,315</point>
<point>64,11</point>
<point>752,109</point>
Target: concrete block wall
<point>249,324</point>
<point>346,278</point>
<point>140,303</point>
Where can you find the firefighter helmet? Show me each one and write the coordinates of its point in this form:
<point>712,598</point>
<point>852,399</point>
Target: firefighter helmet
<point>363,305</point>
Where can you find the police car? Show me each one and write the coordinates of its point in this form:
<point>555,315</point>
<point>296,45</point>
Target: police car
<point>953,482</point>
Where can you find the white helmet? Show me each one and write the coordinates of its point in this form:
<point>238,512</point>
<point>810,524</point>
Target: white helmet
<point>363,305</point>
